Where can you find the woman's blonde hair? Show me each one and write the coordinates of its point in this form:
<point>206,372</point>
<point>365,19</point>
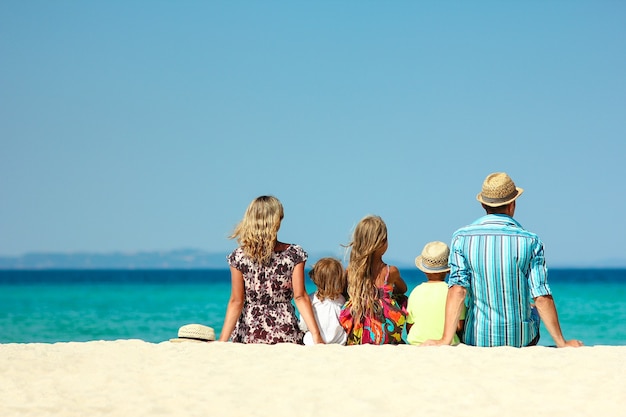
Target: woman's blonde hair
<point>257,232</point>
<point>328,275</point>
<point>369,235</point>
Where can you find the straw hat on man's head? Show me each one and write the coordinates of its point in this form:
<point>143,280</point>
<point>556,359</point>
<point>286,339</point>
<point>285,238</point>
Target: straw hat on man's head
<point>434,258</point>
<point>498,190</point>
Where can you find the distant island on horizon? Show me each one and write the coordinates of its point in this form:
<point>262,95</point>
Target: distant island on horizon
<point>183,259</point>
<point>172,259</point>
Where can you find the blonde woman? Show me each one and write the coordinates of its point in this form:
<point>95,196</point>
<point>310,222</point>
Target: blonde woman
<point>265,276</point>
<point>373,314</point>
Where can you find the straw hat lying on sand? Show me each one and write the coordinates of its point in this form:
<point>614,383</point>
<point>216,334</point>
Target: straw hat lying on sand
<point>195,333</point>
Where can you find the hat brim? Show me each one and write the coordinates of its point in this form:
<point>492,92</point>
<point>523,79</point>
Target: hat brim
<point>480,198</point>
<point>186,339</point>
<point>419,264</point>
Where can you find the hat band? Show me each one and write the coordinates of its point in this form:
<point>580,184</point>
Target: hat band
<point>201,339</point>
<point>499,200</point>
<point>435,268</point>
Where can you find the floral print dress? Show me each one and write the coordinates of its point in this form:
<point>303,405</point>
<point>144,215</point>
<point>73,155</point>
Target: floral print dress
<point>386,329</point>
<point>268,316</point>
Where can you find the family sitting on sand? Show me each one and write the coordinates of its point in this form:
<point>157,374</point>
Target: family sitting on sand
<point>496,293</point>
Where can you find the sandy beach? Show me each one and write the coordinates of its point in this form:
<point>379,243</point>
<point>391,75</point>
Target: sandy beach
<point>135,378</point>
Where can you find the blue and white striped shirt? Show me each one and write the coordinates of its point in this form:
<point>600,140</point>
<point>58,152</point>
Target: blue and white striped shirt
<point>503,268</point>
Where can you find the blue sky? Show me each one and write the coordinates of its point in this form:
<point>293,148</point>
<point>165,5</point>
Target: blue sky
<point>150,125</point>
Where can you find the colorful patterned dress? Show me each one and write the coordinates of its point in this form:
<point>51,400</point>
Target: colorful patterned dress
<point>386,329</point>
<point>268,316</point>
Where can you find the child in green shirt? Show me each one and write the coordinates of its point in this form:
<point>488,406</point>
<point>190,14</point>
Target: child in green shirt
<point>427,302</point>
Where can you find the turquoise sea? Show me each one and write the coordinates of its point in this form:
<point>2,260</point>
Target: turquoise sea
<point>80,305</point>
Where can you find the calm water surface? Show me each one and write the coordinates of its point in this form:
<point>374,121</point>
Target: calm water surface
<point>61,306</point>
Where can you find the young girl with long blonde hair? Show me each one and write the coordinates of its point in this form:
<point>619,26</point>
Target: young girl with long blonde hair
<point>373,314</point>
<point>266,275</point>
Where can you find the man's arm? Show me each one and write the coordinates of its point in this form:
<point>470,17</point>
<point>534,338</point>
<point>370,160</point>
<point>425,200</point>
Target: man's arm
<point>547,312</point>
<point>454,307</point>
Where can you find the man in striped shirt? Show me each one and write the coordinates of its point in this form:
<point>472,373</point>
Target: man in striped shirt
<point>500,269</point>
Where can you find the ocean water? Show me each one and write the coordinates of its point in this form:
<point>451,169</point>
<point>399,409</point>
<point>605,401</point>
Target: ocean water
<point>80,305</point>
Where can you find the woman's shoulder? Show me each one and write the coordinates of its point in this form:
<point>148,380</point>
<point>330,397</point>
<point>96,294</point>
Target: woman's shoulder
<point>238,249</point>
<point>296,247</point>
<point>236,253</point>
<point>293,250</point>
<point>237,258</point>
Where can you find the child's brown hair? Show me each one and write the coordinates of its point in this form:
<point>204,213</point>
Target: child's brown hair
<point>329,277</point>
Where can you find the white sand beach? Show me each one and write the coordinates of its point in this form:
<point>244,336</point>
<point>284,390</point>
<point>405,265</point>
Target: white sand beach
<point>135,378</point>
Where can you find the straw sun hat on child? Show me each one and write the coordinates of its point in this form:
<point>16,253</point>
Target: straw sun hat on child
<point>434,258</point>
<point>195,333</point>
<point>498,190</point>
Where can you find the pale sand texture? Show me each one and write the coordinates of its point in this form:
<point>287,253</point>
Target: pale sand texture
<point>134,378</point>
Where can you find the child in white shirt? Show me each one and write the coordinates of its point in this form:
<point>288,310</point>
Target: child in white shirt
<point>329,277</point>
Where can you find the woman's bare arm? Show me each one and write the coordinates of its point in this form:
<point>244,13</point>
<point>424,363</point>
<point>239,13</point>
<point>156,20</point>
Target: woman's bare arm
<point>235,304</point>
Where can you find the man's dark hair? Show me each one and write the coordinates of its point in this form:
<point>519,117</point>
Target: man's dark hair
<point>496,210</point>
